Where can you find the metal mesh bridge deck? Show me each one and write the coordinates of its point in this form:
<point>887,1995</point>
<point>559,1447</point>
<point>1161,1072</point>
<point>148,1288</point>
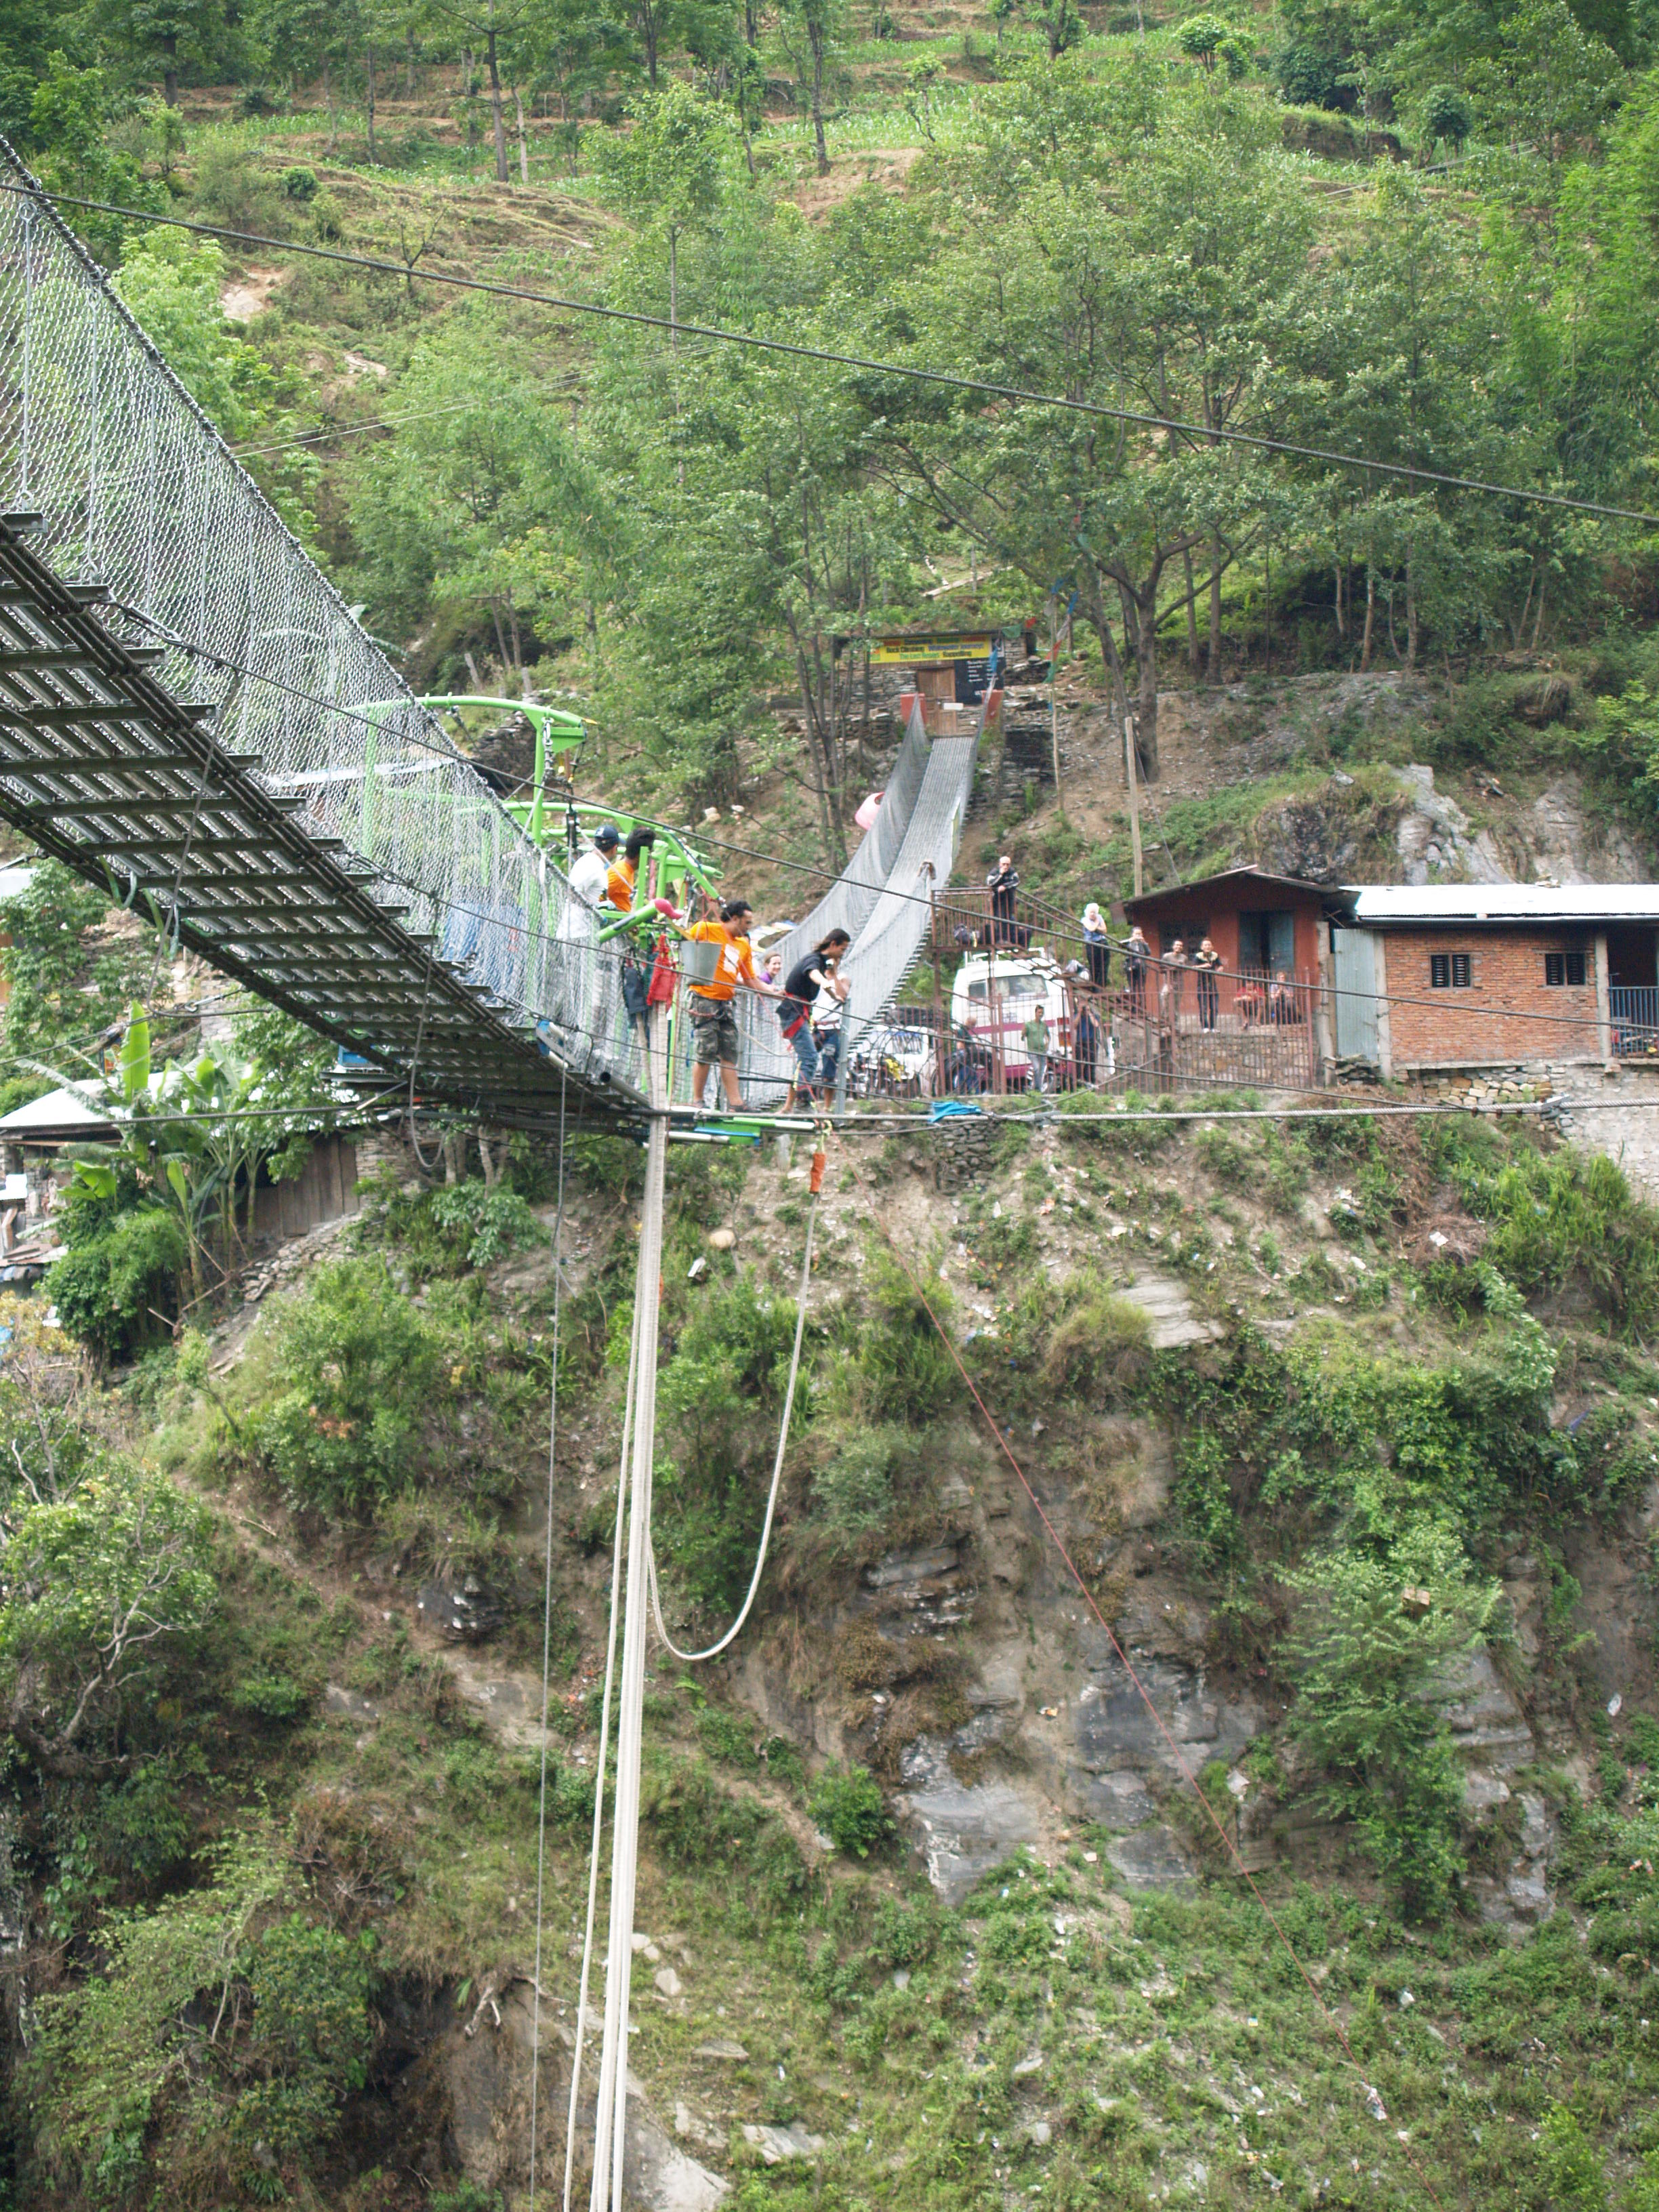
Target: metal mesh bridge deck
<point>192,717</point>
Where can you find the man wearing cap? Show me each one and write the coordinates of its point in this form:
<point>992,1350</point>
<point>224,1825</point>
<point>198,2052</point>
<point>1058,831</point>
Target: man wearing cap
<point>588,873</point>
<point>713,1023</point>
<point>580,973</point>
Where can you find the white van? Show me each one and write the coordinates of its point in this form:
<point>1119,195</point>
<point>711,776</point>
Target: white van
<point>996,993</point>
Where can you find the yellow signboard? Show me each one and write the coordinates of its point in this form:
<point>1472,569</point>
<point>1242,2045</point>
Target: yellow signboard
<point>928,652</point>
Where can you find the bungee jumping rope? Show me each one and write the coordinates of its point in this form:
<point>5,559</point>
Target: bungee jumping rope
<point>695,1658</point>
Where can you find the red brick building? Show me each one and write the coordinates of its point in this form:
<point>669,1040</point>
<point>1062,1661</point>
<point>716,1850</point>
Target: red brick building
<point>1476,975</point>
<point>1258,923</point>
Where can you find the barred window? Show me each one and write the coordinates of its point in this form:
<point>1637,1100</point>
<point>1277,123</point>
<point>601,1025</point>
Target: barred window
<point>1448,971</point>
<point>1565,968</point>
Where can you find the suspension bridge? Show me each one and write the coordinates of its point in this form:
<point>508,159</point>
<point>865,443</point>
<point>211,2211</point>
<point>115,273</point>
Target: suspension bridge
<point>193,718</point>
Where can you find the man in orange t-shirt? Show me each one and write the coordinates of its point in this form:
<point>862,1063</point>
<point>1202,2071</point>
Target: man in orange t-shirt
<point>624,874</point>
<point>714,1023</point>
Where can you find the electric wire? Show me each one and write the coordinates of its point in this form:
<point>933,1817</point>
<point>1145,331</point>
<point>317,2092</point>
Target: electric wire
<point>321,436</point>
<point>547,1654</point>
<point>448,752</point>
<point>1373,2100</point>
<point>695,1658</point>
<point>1200,432</point>
<point>718,844</point>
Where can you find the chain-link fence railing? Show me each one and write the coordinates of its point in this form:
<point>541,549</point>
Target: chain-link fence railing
<point>140,494</point>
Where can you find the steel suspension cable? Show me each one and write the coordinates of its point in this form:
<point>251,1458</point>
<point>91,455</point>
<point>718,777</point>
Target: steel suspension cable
<point>1019,394</point>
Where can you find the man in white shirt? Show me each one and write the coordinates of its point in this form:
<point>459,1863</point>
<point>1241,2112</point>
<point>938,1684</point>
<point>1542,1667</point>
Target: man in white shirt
<point>578,936</point>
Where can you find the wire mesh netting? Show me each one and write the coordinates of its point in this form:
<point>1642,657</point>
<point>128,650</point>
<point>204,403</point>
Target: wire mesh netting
<point>139,493</point>
<point>883,900</point>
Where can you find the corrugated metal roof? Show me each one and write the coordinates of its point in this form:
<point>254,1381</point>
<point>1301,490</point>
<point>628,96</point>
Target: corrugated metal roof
<point>57,1114</point>
<point>1400,904</point>
<point>1182,894</point>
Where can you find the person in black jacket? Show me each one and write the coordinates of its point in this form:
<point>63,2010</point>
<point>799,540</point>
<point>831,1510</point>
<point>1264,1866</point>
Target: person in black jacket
<point>1207,961</point>
<point>1002,882</point>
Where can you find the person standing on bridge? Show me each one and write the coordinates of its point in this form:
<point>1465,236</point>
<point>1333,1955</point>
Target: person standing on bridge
<point>713,1022</point>
<point>581,972</point>
<point>820,971</point>
<point>624,874</point>
<point>590,872</point>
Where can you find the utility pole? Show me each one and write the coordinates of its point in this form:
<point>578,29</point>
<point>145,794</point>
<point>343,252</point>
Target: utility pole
<point>1054,710</point>
<point>1134,796</point>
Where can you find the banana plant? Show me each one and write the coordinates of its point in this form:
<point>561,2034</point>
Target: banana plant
<point>182,1137</point>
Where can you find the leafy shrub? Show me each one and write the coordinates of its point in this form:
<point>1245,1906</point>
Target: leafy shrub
<point>103,1585</point>
<point>723,1736</point>
<point>722,1395</point>
<point>906,1932</point>
<point>119,2090</point>
<point>906,1372</point>
<point>111,1289</point>
<point>1201,36</point>
<point>852,1498</point>
<point>143,1828</point>
<point>847,1804</point>
<point>1313,76</point>
<point>444,1232</point>
<point>299,184</point>
<point>1367,1668</point>
<point>1576,2178</point>
<point>358,1361</point>
<point>485,1224</point>
<point>270,1696</point>
<point>1561,1216</point>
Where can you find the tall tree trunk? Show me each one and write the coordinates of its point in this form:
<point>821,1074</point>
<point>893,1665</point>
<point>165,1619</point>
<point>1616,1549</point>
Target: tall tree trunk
<point>368,71</point>
<point>1341,628</point>
<point>1146,606</point>
<point>1370,617</point>
<point>408,60</point>
<point>170,68</point>
<point>1192,615</point>
<point>1538,622</point>
<point>1094,613</point>
<point>523,150</point>
<point>648,28</point>
<point>814,39</point>
<point>334,116</point>
<point>1411,602</point>
<point>1215,606</point>
<point>497,120</point>
<point>1268,604</point>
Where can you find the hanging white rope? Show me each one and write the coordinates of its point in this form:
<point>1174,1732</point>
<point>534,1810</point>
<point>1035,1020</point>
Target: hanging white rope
<point>547,1651</point>
<point>610,2111</point>
<point>695,1658</point>
<point>598,1778</point>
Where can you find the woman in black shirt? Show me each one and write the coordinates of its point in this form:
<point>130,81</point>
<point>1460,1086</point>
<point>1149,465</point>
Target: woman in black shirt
<point>819,971</point>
